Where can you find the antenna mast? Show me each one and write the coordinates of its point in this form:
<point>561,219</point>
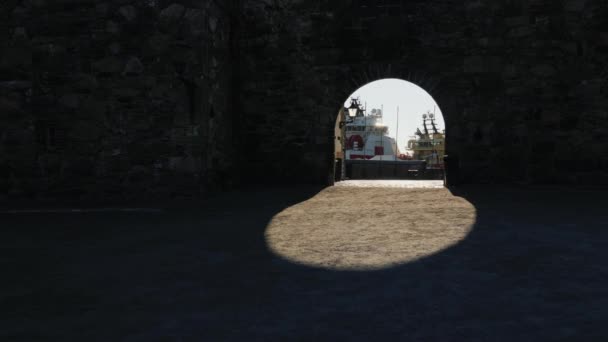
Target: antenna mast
<point>426,130</point>
<point>396,136</point>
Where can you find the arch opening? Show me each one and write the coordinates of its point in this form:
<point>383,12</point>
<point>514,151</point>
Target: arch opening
<point>390,129</point>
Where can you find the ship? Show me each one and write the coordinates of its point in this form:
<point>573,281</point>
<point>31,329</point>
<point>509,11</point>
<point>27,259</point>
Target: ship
<point>363,149</point>
<point>365,136</point>
<point>428,145</point>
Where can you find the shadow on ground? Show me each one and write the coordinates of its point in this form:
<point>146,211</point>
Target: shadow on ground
<point>535,267</point>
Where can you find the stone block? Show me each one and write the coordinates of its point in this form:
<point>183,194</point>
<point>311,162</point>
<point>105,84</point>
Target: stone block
<point>20,34</point>
<point>159,42</point>
<point>84,83</point>
<point>93,109</point>
<point>15,57</point>
<point>602,39</point>
<point>71,101</point>
<point>543,70</point>
<point>140,173</point>
<point>17,85</point>
<point>86,130</point>
<point>517,21</point>
<point>10,109</point>
<point>80,167</point>
<point>569,47</point>
<point>213,24</point>
<point>196,19</point>
<point>575,5</point>
<point>109,65</point>
<point>115,48</point>
<point>173,12</point>
<point>186,164</point>
<point>520,32</point>
<point>474,64</point>
<point>128,12</point>
<point>112,27</point>
<point>133,67</point>
<point>123,93</point>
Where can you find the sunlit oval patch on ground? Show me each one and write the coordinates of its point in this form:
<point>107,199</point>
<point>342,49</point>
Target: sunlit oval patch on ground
<point>369,228</point>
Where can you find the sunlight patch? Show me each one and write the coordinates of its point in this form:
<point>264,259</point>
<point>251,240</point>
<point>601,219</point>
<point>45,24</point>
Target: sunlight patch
<point>347,228</point>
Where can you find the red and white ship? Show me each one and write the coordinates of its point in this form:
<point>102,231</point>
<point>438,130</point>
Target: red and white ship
<point>366,137</point>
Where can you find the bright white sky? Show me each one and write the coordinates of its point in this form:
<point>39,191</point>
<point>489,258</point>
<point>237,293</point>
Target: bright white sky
<point>412,101</point>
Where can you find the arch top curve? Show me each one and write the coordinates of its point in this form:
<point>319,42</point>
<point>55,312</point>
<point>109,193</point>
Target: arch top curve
<point>358,76</point>
<point>400,107</point>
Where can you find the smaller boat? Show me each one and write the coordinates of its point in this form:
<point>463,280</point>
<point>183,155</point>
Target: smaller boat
<point>428,145</point>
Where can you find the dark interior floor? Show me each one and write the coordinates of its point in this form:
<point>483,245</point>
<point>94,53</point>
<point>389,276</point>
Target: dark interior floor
<point>535,268</point>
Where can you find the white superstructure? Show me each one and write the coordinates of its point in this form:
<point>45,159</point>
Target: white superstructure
<point>367,137</point>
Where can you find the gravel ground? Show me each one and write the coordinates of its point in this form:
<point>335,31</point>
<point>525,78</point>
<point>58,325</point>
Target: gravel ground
<point>349,228</point>
<point>298,264</point>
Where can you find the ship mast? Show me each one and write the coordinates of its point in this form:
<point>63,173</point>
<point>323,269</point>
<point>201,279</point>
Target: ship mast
<point>426,130</point>
<point>396,136</point>
<point>433,124</point>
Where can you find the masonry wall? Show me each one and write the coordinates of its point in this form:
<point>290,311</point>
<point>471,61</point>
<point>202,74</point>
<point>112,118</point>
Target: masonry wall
<point>159,98</point>
<point>104,99</point>
<point>522,84</point>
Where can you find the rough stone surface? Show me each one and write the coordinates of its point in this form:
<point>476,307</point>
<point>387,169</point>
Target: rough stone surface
<point>244,91</point>
<point>522,85</point>
<point>114,99</point>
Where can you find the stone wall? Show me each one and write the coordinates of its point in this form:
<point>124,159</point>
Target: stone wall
<point>131,98</point>
<point>522,84</point>
<point>114,98</point>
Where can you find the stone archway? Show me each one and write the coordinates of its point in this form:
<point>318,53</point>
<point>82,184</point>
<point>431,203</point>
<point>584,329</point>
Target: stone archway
<point>373,75</point>
<point>511,117</point>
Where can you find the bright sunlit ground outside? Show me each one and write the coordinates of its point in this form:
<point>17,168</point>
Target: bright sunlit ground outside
<point>411,100</point>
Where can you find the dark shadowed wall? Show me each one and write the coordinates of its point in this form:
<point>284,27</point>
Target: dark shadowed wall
<point>155,98</point>
<point>114,98</point>
<point>522,84</point>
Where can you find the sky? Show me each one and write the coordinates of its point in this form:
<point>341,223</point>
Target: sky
<point>412,101</point>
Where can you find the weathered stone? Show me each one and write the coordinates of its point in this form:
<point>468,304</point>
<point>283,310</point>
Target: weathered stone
<point>115,48</point>
<point>15,57</point>
<point>569,47</point>
<point>125,93</point>
<point>70,101</point>
<point>133,67</point>
<point>211,81</point>
<point>102,8</point>
<point>108,65</point>
<point>19,12</point>
<point>173,12</point>
<point>86,131</point>
<point>574,5</point>
<point>128,12</point>
<point>80,167</point>
<point>212,24</point>
<point>20,33</point>
<point>543,70</point>
<point>520,32</point>
<point>187,164</point>
<point>85,83</point>
<point>603,38</point>
<point>112,27</point>
<point>474,64</point>
<point>10,110</point>
<point>159,42</point>
<point>196,19</point>
<point>16,85</point>
<point>140,173</point>
<point>517,21</point>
